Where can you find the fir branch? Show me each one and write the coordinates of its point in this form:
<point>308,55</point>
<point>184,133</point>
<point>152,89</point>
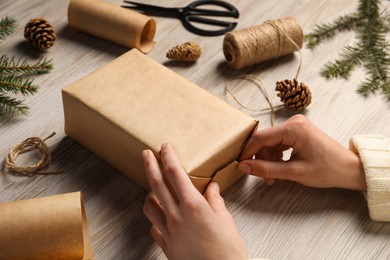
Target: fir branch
<point>372,50</point>
<point>7,26</point>
<point>10,106</point>
<point>377,68</point>
<point>369,8</point>
<point>15,84</point>
<point>11,72</point>
<point>385,16</point>
<point>350,56</point>
<point>328,30</point>
<point>9,65</point>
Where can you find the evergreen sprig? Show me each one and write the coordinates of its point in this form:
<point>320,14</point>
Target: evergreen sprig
<point>15,84</point>
<point>11,106</point>
<point>20,66</point>
<point>371,50</point>
<point>12,75</point>
<point>7,26</point>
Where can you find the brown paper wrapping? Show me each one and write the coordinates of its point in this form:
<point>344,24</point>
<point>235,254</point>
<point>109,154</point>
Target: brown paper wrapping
<point>135,103</point>
<point>113,23</point>
<point>52,227</point>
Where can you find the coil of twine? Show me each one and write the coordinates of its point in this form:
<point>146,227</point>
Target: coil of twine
<point>28,145</point>
<point>270,40</point>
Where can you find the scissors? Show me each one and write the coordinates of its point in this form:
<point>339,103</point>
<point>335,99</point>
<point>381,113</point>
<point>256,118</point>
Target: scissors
<point>194,13</point>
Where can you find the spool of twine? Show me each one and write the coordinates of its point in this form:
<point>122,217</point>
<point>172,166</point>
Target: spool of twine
<point>270,40</point>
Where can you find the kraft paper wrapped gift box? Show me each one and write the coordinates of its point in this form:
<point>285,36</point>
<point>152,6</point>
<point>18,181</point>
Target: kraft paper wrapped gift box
<point>134,103</point>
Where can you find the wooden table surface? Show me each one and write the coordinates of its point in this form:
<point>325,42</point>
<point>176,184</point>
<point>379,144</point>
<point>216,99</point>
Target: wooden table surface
<point>285,221</point>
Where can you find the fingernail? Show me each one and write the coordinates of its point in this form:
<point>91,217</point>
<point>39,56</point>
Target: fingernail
<point>145,153</point>
<point>244,168</point>
<point>215,186</point>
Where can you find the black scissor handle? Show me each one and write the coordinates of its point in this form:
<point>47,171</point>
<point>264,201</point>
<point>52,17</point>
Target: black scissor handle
<point>192,13</point>
<point>187,23</point>
<point>230,11</point>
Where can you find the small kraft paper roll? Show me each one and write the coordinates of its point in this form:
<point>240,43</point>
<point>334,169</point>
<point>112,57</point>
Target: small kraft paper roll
<point>270,40</point>
<point>113,23</point>
<point>52,227</point>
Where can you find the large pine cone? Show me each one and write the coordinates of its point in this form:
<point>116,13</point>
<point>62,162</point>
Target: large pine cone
<point>294,94</point>
<point>40,33</point>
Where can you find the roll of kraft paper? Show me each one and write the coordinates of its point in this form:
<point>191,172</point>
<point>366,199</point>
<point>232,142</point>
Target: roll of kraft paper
<point>52,227</point>
<point>113,23</point>
<point>270,40</point>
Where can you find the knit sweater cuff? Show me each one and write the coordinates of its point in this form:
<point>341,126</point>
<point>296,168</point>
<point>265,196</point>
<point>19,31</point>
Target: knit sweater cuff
<point>374,152</point>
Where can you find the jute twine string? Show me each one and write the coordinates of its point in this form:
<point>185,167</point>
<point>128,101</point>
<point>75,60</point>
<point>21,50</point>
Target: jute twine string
<point>276,51</point>
<point>261,86</point>
<point>28,145</point>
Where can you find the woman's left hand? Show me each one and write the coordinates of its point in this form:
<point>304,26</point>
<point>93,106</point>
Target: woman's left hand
<point>185,224</point>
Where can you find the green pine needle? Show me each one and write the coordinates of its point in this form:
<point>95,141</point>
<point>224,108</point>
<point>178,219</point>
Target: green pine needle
<point>351,56</point>
<point>328,30</point>
<point>15,84</point>
<point>7,26</point>
<point>9,65</point>
<point>11,106</point>
<point>371,51</point>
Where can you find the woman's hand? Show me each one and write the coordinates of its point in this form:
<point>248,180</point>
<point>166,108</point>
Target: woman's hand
<point>316,160</point>
<point>185,224</point>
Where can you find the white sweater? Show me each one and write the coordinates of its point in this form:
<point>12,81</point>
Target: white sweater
<point>374,152</point>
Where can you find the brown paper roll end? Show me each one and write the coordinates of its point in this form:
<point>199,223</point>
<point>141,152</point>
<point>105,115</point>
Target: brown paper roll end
<point>114,23</point>
<point>146,42</point>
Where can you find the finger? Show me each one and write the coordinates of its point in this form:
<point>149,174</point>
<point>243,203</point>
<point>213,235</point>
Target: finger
<point>276,170</point>
<point>154,212</point>
<point>174,172</point>
<point>266,138</point>
<point>267,154</point>
<point>269,181</point>
<point>156,180</point>
<point>214,198</point>
<point>158,237</point>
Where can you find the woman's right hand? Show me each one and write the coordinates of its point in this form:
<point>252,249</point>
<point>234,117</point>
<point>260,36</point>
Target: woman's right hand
<point>316,159</point>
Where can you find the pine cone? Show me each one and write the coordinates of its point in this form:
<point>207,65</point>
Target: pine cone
<point>40,33</point>
<point>189,51</point>
<point>294,94</point>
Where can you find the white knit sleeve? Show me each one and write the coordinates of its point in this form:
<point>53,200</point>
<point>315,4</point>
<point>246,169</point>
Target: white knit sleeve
<point>374,152</point>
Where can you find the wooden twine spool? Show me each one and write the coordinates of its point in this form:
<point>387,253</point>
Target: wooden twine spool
<point>270,40</point>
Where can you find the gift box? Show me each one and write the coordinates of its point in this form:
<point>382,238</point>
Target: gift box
<point>135,103</point>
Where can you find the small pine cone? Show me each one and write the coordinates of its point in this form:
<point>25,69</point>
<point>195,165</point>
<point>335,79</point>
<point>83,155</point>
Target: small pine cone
<point>189,51</point>
<point>40,33</point>
<point>294,94</point>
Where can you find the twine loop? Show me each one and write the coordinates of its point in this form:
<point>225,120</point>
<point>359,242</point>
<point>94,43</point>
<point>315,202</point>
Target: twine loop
<point>28,145</point>
<point>263,90</point>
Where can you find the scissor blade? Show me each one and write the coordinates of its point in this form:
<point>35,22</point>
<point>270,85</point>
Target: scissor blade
<point>151,8</point>
<point>210,12</point>
<point>203,20</point>
<point>136,4</point>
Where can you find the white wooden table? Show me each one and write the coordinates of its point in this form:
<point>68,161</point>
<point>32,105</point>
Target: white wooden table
<point>285,221</point>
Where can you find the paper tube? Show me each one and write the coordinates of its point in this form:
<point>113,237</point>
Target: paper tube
<point>113,23</point>
<point>52,227</point>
